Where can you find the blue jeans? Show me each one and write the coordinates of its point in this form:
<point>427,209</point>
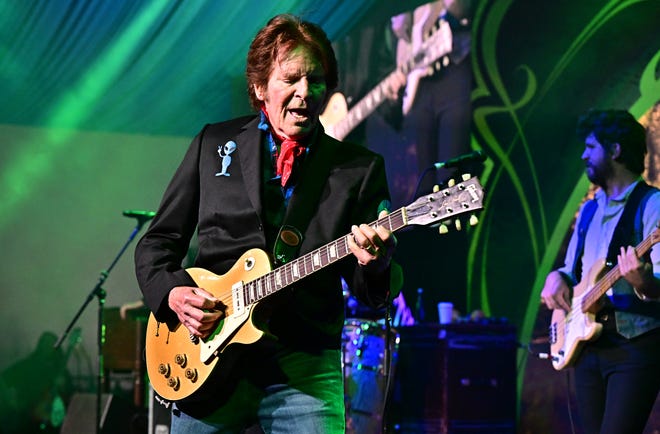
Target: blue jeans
<point>310,401</point>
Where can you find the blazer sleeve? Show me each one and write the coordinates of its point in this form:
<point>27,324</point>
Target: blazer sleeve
<point>371,288</point>
<point>161,251</point>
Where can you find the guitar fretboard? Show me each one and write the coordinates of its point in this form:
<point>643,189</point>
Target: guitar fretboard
<point>606,282</point>
<point>427,210</point>
<point>311,262</point>
<point>368,103</point>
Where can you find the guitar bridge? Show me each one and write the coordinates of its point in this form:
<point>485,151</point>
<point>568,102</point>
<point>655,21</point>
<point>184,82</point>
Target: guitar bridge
<point>552,333</point>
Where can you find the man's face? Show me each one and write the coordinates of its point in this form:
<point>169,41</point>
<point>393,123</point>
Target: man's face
<point>295,94</point>
<point>598,161</point>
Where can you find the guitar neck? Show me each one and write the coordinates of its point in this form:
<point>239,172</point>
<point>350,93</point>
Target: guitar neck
<point>431,209</point>
<point>606,282</point>
<point>311,262</point>
<point>366,106</point>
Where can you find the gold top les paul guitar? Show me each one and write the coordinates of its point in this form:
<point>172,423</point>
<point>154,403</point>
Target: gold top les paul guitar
<point>569,331</point>
<point>338,121</point>
<point>178,365</point>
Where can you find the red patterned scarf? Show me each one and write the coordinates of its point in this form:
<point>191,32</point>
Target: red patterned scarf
<point>291,152</point>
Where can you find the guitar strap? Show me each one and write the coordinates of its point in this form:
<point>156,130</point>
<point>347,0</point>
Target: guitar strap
<point>587,215</point>
<point>304,200</point>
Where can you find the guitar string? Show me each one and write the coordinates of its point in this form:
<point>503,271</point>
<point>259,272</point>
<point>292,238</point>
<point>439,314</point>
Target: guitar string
<point>267,284</point>
<point>308,264</point>
<point>614,274</point>
<point>601,287</point>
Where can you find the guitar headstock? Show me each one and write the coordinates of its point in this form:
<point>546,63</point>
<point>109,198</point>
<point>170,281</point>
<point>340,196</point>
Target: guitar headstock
<point>447,204</point>
<point>437,44</point>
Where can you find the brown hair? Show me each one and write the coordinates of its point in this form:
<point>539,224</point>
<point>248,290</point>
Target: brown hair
<point>616,126</point>
<point>280,36</point>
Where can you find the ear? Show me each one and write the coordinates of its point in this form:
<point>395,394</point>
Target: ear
<point>259,92</point>
<point>615,150</point>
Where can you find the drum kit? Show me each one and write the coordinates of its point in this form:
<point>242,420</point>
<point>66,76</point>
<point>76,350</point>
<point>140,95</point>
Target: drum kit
<point>368,366</point>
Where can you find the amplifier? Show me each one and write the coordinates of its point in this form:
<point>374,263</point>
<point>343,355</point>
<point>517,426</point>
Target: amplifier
<point>455,378</point>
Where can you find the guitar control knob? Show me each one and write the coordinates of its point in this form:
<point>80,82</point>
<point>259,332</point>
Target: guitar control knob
<point>191,374</point>
<point>174,383</point>
<point>181,360</point>
<point>164,369</point>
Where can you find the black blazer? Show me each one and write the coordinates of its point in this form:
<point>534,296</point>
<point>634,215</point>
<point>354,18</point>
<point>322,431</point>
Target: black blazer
<point>228,213</point>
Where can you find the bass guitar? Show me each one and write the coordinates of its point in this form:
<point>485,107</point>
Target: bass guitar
<point>569,331</point>
<point>178,364</point>
<point>338,121</point>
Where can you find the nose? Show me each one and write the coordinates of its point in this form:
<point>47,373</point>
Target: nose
<point>584,156</point>
<point>302,88</point>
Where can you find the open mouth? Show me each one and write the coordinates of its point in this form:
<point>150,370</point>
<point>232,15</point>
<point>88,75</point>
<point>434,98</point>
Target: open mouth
<point>299,113</point>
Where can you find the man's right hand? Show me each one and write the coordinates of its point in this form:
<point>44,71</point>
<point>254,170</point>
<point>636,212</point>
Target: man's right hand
<point>556,293</point>
<point>197,309</point>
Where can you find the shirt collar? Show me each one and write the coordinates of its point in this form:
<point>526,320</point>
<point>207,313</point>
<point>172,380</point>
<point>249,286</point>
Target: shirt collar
<point>601,198</point>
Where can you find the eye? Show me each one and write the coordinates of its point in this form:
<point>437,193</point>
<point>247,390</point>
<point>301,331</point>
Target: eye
<point>316,80</point>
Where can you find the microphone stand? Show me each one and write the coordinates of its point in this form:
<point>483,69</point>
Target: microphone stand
<point>419,182</point>
<point>457,162</point>
<point>100,294</point>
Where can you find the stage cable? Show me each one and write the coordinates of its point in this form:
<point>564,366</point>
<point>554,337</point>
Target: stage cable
<point>569,407</point>
<point>546,356</point>
<point>387,365</point>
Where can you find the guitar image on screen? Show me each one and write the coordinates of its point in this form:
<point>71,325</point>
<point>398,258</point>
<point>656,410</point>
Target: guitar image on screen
<point>338,121</point>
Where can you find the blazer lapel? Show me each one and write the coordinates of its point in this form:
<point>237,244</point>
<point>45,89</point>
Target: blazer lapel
<point>249,144</point>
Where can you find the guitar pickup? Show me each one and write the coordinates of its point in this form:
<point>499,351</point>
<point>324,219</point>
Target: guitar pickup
<point>238,301</point>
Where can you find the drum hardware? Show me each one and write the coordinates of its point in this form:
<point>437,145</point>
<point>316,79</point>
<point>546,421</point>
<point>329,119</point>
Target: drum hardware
<point>367,373</point>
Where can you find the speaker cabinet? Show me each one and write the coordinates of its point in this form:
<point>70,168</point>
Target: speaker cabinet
<point>81,415</point>
<point>456,378</point>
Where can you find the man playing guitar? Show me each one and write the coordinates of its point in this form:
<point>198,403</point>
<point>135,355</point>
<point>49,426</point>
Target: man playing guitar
<point>616,366</point>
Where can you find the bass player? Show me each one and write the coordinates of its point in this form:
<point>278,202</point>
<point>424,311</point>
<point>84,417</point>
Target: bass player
<point>617,375</point>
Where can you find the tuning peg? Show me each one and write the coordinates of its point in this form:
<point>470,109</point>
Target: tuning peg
<point>443,229</point>
<point>451,182</point>
<point>436,188</point>
<point>473,220</point>
<point>466,176</point>
<point>458,224</point>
